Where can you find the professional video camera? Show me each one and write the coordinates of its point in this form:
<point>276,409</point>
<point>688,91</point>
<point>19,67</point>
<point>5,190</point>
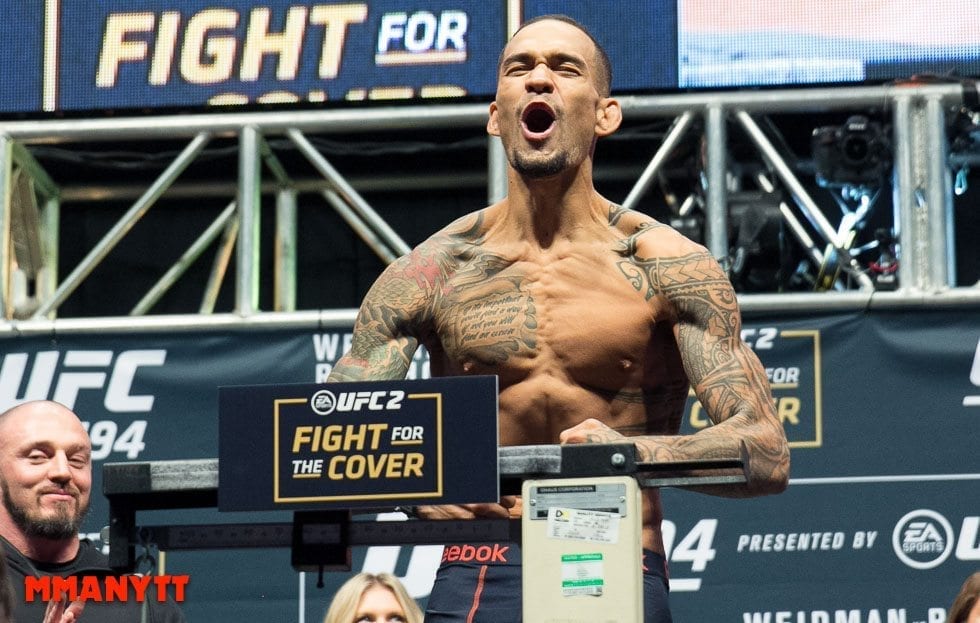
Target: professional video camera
<point>855,154</point>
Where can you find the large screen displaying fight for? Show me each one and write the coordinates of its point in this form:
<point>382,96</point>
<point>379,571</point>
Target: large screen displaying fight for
<point>129,56</point>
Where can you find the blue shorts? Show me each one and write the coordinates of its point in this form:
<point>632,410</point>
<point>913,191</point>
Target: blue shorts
<point>481,583</point>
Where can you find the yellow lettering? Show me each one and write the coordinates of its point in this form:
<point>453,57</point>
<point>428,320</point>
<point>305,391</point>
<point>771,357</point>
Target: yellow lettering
<point>301,436</point>
<point>219,51</point>
<point>413,464</point>
<point>332,468</point>
<point>116,49</point>
<point>276,97</point>
<point>354,440</point>
<point>333,437</point>
<point>788,408</point>
<point>376,464</point>
<point>376,430</point>
<point>355,466</point>
<point>395,464</point>
<point>286,44</point>
<point>697,421</point>
<point>335,19</point>
<point>163,51</point>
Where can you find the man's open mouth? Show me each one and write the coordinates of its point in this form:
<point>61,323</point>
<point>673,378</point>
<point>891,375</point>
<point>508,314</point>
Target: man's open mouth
<point>538,120</point>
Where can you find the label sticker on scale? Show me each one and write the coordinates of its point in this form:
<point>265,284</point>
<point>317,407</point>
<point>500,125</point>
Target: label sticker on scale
<point>583,525</point>
<point>581,574</point>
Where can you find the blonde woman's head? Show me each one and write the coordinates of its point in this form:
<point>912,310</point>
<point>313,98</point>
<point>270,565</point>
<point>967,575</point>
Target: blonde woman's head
<point>373,598</point>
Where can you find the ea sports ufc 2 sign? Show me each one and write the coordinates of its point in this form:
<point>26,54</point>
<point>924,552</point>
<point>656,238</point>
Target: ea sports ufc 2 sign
<point>355,445</point>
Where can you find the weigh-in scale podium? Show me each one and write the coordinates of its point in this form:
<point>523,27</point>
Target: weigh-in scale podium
<point>579,533</point>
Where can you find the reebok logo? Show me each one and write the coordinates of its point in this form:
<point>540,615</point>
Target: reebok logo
<point>471,553</point>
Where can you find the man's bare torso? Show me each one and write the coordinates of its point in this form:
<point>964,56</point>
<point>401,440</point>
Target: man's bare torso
<point>569,333</point>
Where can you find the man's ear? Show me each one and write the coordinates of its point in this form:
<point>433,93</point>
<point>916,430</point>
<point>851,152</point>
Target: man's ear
<point>609,115</point>
<point>492,128</point>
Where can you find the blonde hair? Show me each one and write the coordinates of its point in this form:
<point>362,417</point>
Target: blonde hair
<point>965,601</point>
<point>345,601</point>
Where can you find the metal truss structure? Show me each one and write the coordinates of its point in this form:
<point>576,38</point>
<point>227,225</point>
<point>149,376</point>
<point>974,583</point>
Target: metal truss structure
<point>32,290</point>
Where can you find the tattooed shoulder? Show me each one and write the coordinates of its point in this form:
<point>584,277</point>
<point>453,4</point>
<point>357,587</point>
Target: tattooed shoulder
<point>629,221</point>
<point>470,227</point>
<point>656,259</point>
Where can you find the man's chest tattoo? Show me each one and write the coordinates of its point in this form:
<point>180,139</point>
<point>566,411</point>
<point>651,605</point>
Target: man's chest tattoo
<point>491,321</point>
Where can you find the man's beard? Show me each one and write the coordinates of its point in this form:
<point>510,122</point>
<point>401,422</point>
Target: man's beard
<point>536,168</point>
<point>63,525</point>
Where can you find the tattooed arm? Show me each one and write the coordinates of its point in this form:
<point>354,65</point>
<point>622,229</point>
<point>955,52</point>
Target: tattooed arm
<point>726,375</point>
<point>387,325</point>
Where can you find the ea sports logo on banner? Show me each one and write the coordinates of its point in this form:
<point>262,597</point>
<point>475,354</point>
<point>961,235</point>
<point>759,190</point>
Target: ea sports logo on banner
<point>923,539</point>
<point>323,402</point>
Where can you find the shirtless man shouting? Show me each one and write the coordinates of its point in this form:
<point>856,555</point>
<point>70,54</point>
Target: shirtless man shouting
<point>602,317</point>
